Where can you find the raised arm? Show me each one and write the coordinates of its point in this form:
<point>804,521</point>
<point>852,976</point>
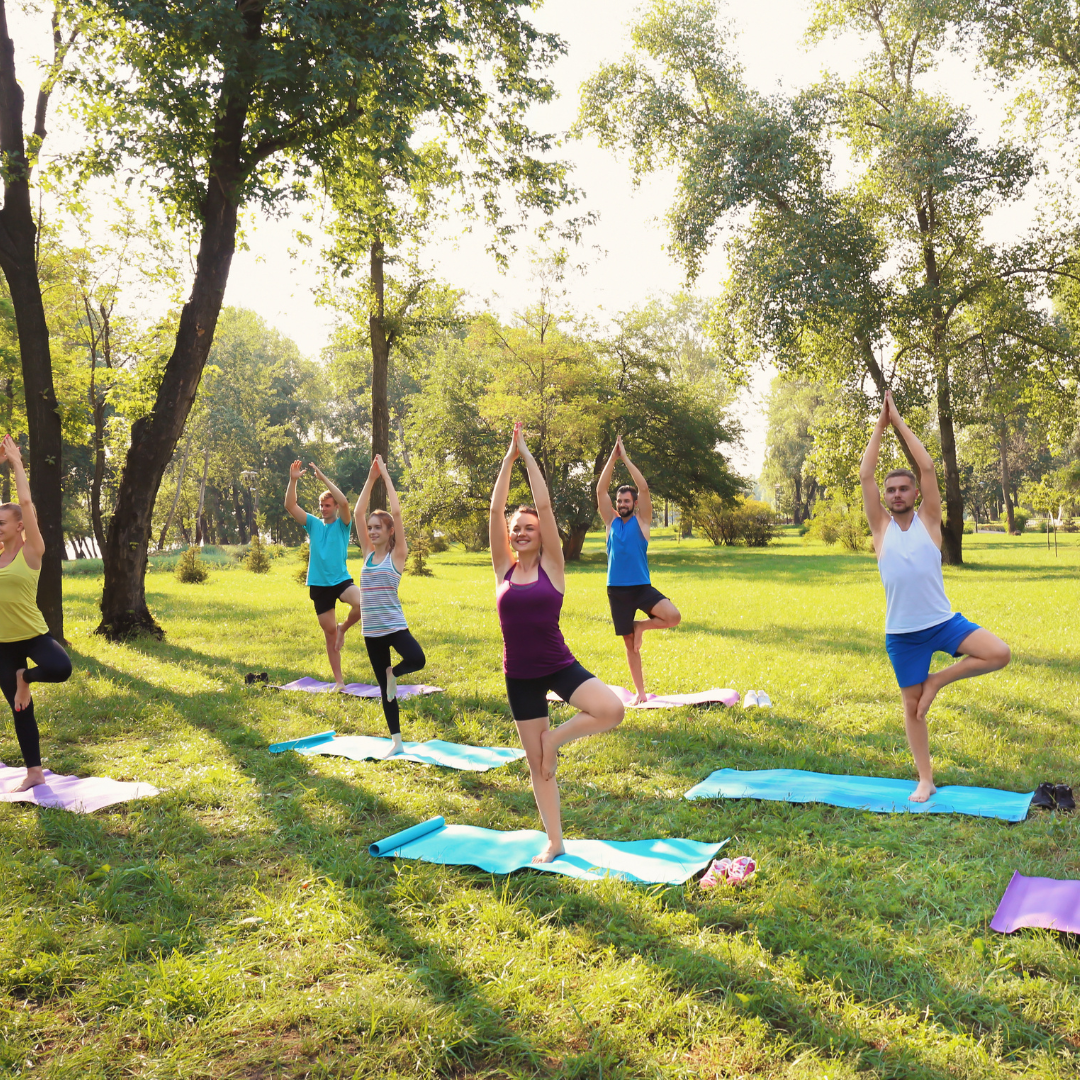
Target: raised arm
<point>296,470</point>
<point>930,506</point>
<point>551,557</point>
<point>876,515</point>
<point>502,556</point>
<point>401,547</point>
<point>33,543</point>
<point>644,499</point>
<point>603,487</point>
<point>344,509</point>
<point>362,505</point>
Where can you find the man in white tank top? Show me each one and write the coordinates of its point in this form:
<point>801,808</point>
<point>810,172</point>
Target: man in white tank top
<point>919,620</point>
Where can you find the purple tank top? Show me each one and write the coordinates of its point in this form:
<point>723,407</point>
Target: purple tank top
<point>533,644</point>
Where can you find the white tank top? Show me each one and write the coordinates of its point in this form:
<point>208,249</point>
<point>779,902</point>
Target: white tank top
<point>910,568</point>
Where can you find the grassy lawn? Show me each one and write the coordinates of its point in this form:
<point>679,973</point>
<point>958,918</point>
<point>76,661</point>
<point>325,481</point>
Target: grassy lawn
<point>235,926</point>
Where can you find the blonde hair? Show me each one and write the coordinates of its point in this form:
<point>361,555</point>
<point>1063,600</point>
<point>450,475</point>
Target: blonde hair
<point>12,508</point>
<point>386,519</point>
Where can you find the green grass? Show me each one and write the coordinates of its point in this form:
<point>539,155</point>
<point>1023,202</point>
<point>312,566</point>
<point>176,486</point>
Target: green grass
<point>235,926</point>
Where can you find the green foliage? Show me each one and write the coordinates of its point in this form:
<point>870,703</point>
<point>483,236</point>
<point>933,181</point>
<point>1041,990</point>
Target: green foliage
<point>257,560</point>
<point>837,521</point>
<point>190,568</point>
<point>419,552</point>
<point>1020,519</point>
<point>742,521</point>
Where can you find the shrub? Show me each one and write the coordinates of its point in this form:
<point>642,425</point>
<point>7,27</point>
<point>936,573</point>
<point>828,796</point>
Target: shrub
<point>747,521</point>
<point>439,542</point>
<point>300,574</point>
<point>1020,519</point>
<point>419,550</point>
<point>837,522</point>
<point>257,560</point>
<point>191,569</point>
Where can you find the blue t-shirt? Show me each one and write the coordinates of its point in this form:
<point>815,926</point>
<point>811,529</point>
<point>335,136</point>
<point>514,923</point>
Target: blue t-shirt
<point>627,553</point>
<point>329,546</point>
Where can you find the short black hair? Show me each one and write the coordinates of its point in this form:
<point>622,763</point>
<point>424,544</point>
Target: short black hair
<point>627,487</point>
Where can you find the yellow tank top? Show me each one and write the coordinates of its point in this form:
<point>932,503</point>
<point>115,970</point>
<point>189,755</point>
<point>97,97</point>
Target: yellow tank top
<point>20,617</point>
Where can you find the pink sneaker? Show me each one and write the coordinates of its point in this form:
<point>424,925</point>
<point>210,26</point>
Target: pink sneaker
<point>716,874</point>
<point>741,870</point>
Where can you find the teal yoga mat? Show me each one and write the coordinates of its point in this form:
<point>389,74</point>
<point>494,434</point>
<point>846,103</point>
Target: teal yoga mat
<point>433,752</point>
<point>879,794</point>
<point>647,862</point>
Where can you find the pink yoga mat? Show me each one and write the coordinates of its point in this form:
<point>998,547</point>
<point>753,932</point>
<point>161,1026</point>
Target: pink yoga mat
<point>672,701</point>
<point>1038,901</point>
<point>82,794</point>
<point>357,689</point>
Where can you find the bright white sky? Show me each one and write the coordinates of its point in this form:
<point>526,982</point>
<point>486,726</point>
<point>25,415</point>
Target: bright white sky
<point>627,263</point>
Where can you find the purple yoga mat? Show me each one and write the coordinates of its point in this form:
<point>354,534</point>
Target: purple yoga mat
<point>1038,901</point>
<point>82,794</point>
<point>714,696</point>
<point>357,689</point>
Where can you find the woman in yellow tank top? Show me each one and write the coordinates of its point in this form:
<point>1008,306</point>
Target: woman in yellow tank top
<point>24,635</point>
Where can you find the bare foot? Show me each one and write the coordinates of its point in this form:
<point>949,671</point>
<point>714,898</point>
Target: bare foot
<point>549,762</point>
<point>22,693</point>
<point>930,689</point>
<point>340,640</point>
<point>34,777</point>
<point>550,853</point>
<point>639,633</point>
<point>396,747</point>
<point>923,792</point>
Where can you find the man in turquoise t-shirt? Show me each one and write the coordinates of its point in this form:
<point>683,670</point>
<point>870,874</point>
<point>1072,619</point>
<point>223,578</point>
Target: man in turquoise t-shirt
<point>630,588</point>
<point>328,576</point>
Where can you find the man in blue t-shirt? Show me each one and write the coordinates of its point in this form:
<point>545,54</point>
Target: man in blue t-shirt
<point>328,577</point>
<point>628,584</point>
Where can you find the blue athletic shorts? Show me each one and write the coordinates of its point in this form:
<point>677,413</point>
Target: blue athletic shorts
<point>911,653</point>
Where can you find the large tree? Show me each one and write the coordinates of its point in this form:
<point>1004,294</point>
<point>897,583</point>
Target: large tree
<point>234,102</point>
<point>858,280</point>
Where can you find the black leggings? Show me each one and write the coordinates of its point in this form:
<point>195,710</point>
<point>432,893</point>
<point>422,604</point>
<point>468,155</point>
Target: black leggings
<point>412,659</point>
<point>53,665</point>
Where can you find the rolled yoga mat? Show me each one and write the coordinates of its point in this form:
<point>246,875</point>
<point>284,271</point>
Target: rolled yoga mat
<point>879,794</point>
<point>715,696</point>
<point>433,752</point>
<point>80,794</point>
<point>647,862</point>
<point>1045,902</point>
<point>356,689</point>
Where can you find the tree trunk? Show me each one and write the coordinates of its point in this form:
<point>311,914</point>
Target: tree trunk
<point>797,513</point>
<point>573,543</point>
<point>380,373</point>
<point>176,500</point>
<point>154,437</point>
<point>18,260</point>
<point>200,525</point>
<point>952,524</point>
<point>1006,480</point>
<point>98,406</point>
<point>238,513</point>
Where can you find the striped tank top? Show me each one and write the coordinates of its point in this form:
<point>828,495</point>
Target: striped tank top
<point>380,608</point>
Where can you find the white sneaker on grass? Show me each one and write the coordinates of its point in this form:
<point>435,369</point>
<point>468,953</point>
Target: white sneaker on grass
<point>750,700</point>
<point>763,700</point>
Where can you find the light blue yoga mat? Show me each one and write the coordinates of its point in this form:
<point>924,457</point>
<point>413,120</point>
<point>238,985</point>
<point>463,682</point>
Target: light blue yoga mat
<point>648,862</point>
<point>433,752</point>
<point>874,793</point>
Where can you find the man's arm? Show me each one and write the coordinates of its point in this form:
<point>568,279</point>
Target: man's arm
<point>876,515</point>
<point>644,499</point>
<point>32,538</point>
<point>344,509</point>
<point>296,470</point>
<point>603,487</point>
<point>930,506</point>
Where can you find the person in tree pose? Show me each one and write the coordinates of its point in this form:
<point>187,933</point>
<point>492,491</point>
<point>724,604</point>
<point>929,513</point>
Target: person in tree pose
<point>24,635</point>
<point>919,620</point>
<point>527,558</point>
<point>629,587</point>
<point>384,626</point>
<point>328,576</point>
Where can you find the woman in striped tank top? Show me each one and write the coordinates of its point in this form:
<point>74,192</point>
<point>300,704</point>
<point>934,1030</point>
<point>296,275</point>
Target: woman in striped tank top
<point>381,617</point>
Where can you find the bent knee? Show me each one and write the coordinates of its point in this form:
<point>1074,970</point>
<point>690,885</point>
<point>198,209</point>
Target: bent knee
<point>614,715</point>
<point>676,617</point>
<point>1003,655</point>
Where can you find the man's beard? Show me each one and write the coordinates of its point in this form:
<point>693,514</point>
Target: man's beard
<point>625,511</point>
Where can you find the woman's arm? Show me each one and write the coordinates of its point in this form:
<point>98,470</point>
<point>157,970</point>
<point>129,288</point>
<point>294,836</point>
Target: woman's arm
<point>33,543</point>
<point>401,547</point>
<point>552,557</point>
<point>502,557</point>
<point>361,514</point>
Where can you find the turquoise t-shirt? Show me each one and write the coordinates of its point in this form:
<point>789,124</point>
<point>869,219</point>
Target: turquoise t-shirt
<point>627,548</point>
<point>329,546</point>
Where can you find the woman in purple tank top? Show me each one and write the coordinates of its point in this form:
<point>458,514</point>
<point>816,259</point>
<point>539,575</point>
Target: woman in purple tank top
<point>530,582</point>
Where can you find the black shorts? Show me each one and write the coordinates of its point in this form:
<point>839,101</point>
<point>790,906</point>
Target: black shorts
<point>324,597</point>
<point>626,600</point>
<point>528,697</point>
